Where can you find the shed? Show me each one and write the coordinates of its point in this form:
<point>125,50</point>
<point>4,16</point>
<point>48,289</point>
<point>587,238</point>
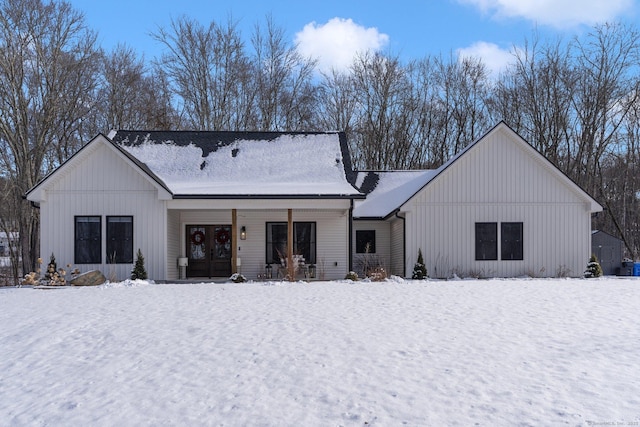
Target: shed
<point>609,249</point>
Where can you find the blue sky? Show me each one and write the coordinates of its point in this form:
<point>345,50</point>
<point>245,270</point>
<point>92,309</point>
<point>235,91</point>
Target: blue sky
<point>333,30</point>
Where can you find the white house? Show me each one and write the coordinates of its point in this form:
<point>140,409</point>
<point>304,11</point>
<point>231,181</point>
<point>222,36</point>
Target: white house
<point>498,208</point>
<point>220,202</point>
<point>217,202</point>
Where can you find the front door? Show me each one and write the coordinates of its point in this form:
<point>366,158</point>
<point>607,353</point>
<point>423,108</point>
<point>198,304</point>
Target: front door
<point>209,250</point>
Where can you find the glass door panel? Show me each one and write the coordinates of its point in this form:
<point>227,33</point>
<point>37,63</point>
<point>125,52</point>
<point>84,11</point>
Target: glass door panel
<point>209,250</point>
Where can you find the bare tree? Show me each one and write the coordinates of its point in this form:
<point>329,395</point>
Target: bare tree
<point>381,86</point>
<point>209,71</point>
<point>285,93</point>
<point>534,96</point>
<point>416,115</point>
<point>123,75</point>
<point>463,88</point>
<point>605,91</point>
<point>337,103</point>
<point>130,97</point>
<point>47,68</point>
<point>187,65</point>
<point>430,147</point>
<point>619,183</point>
<point>9,211</point>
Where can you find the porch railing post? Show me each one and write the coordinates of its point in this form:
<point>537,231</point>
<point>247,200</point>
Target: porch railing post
<point>290,239</point>
<point>234,244</point>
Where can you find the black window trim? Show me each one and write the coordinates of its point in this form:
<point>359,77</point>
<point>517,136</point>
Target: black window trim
<point>118,259</point>
<point>500,245</point>
<point>314,239</point>
<point>361,250</point>
<point>76,260</point>
<point>504,245</point>
<point>493,255</point>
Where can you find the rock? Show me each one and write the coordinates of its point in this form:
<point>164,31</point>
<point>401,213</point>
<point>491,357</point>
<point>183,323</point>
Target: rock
<point>90,278</point>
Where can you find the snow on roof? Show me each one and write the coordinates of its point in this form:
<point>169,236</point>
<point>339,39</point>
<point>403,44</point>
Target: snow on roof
<point>228,163</point>
<point>393,188</point>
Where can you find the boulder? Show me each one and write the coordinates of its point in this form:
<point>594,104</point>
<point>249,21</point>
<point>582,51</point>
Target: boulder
<point>90,278</point>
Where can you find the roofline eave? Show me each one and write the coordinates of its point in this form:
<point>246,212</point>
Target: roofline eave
<point>370,218</point>
<point>377,218</point>
<point>268,196</point>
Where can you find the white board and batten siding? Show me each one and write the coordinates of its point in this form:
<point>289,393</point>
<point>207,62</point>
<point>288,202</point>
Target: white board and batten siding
<point>103,184</point>
<point>498,181</point>
<point>332,250</point>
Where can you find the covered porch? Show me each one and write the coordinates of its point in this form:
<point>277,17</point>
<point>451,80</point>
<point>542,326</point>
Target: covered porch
<point>213,242</point>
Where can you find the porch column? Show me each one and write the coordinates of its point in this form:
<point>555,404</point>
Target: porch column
<point>234,244</point>
<point>290,237</point>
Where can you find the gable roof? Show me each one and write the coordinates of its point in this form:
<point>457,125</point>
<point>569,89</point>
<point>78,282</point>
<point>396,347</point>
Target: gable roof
<point>604,233</point>
<point>402,187</point>
<point>244,164</point>
<point>35,193</point>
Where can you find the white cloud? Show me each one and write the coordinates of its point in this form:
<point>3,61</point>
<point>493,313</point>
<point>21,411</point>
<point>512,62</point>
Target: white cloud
<point>492,55</point>
<point>556,13</point>
<point>336,43</point>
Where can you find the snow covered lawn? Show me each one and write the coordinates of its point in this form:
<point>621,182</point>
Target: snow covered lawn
<point>427,353</point>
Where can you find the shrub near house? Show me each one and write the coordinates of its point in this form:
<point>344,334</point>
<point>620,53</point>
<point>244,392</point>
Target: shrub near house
<point>593,268</point>
<point>419,270</point>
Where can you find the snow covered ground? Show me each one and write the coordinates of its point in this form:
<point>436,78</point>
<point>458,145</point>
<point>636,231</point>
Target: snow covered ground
<point>418,353</point>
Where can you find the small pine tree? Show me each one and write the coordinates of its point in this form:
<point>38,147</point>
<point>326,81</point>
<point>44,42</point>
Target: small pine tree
<point>52,267</point>
<point>138,271</point>
<point>419,269</point>
<point>593,268</point>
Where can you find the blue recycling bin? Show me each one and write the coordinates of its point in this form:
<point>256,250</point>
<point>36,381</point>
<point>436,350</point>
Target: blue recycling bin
<point>636,268</point>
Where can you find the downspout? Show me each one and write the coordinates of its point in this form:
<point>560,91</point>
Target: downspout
<point>350,236</point>
<point>404,242</point>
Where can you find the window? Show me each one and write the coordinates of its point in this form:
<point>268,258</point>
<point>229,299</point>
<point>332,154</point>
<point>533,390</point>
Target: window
<point>88,240</point>
<point>276,242</point>
<point>119,239</point>
<point>486,241</point>
<point>365,241</point>
<point>304,241</point>
<point>511,241</point>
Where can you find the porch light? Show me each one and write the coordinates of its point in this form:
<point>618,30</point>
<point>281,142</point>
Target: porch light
<point>243,233</point>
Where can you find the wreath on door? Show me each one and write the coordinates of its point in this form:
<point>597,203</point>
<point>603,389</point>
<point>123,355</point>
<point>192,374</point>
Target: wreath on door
<point>222,236</point>
<point>197,237</point>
